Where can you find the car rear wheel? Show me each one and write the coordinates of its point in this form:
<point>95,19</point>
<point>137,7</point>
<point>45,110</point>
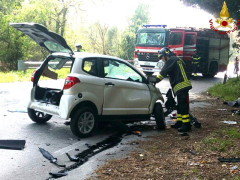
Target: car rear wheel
<point>38,117</point>
<point>159,116</point>
<point>84,122</point>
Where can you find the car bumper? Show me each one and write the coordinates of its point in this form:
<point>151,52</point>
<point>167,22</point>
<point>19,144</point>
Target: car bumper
<point>63,110</point>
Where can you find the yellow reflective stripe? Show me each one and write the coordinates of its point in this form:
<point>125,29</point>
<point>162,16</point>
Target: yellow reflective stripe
<point>196,58</point>
<point>185,116</point>
<point>183,72</point>
<point>159,76</point>
<point>185,120</point>
<point>179,117</point>
<point>181,85</point>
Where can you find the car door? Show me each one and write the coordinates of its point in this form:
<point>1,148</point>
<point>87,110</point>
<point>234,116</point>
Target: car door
<point>125,93</point>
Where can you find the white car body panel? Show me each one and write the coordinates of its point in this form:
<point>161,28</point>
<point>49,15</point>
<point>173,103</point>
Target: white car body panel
<point>125,97</point>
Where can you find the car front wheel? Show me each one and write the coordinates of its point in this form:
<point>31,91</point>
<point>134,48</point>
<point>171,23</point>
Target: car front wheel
<point>84,122</point>
<point>159,116</point>
<point>38,117</point>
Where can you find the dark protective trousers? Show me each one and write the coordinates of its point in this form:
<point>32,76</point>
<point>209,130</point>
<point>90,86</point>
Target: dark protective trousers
<point>183,106</point>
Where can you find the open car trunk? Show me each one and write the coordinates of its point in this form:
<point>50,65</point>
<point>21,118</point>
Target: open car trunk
<point>49,79</point>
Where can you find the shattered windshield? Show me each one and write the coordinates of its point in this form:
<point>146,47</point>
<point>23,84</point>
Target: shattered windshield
<point>151,38</point>
<point>118,70</point>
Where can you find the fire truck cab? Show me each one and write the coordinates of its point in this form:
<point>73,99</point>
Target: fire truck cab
<point>213,48</point>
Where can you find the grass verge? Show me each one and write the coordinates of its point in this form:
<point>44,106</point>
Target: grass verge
<point>229,91</point>
<point>19,76</point>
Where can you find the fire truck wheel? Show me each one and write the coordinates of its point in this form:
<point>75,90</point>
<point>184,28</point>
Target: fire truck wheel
<point>213,69</point>
<point>159,116</point>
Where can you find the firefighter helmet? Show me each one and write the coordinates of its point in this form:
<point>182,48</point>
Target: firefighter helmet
<point>164,52</point>
<point>78,45</point>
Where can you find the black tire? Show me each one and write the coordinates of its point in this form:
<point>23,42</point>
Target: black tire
<point>213,70</point>
<point>84,122</point>
<point>38,117</point>
<point>159,116</point>
<point>148,73</point>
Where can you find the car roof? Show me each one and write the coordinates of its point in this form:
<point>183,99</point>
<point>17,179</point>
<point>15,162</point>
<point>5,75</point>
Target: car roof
<point>89,55</point>
<point>82,55</point>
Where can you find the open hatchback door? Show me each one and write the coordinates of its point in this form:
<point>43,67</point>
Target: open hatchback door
<point>47,39</point>
<point>46,95</point>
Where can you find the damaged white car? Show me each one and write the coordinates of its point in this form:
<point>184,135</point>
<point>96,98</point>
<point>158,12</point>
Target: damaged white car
<point>97,87</point>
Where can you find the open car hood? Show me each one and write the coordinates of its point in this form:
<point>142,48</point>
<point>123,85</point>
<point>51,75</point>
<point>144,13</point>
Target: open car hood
<point>47,39</point>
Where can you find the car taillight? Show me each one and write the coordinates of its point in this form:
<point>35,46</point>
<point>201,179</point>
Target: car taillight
<point>33,74</point>
<point>70,82</point>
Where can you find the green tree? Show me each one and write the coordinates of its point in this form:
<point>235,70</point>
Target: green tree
<point>214,7</point>
<point>17,46</point>
<point>140,17</point>
<point>11,43</point>
<point>113,42</point>
<point>97,35</point>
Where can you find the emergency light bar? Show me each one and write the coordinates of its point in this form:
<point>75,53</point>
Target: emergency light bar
<point>149,25</point>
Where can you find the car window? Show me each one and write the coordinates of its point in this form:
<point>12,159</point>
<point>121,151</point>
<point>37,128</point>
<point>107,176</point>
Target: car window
<point>175,39</point>
<point>56,69</point>
<point>90,66</point>
<point>189,39</point>
<point>118,70</point>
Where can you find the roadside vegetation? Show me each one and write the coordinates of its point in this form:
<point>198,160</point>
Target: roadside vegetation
<point>20,76</point>
<point>96,37</point>
<point>229,91</point>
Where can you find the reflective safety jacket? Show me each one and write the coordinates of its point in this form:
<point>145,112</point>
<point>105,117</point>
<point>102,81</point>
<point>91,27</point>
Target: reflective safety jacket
<point>195,59</point>
<point>176,70</point>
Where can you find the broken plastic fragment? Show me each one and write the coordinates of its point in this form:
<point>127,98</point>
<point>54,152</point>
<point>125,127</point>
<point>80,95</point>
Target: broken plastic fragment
<point>229,122</point>
<point>57,175</point>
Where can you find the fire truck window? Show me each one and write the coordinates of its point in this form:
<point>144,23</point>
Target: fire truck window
<point>151,38</point>
<point>189,39</point>
<point>175,39</point>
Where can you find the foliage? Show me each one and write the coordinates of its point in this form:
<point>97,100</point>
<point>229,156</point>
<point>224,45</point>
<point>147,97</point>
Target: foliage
<point>97,37</point>
<point>127,45</point>
<point>11,44</point>
<point>221,140</point>
<point>15,76</point>
<point>19,76</point>
<point>140,17</point>
<point>229,91</point>
<point>215,6</point>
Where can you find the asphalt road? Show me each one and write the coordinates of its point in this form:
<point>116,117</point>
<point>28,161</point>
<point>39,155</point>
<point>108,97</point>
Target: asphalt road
<point>56,137</point>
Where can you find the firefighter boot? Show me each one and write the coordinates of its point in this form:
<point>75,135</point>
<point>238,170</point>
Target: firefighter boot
<point>177,125</point>
<point>186,127</point>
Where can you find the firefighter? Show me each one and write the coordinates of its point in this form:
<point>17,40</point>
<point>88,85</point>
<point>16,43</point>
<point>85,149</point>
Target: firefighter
<point>195,63</point>
<point>79,48</point>
<point>175,68</point>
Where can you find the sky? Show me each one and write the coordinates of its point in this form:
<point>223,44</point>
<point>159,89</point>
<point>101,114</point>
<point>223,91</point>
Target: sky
<point>170,12</point>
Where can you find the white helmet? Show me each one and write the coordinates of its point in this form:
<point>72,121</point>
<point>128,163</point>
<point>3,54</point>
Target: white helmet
<point>78,45</point>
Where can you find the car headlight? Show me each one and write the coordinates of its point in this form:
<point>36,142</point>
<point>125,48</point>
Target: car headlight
<point>160,64</point>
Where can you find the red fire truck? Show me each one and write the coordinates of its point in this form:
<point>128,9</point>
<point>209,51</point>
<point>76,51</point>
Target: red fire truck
<point>213,48</point>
